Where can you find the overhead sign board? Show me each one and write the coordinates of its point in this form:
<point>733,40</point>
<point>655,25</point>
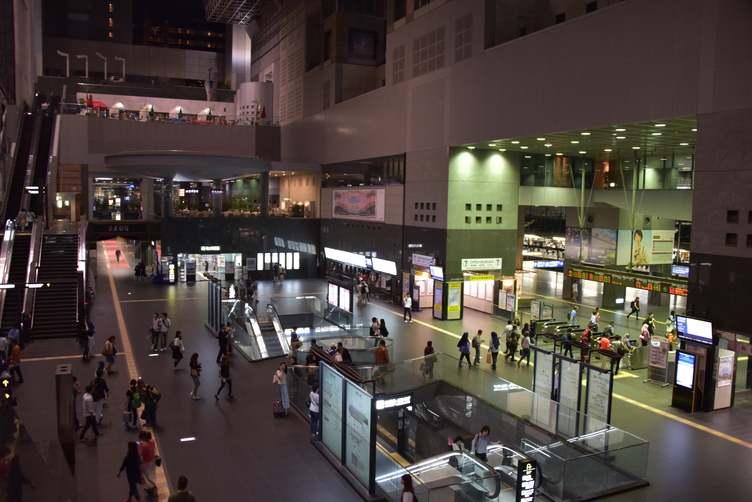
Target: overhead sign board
<point>211,248</point>
<point>548,264</point>
<point>423,261</point>
<point>481,264</point>
<point>639,281</point>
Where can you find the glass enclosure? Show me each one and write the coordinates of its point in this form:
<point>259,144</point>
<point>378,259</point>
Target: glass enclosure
<point>116,199</point>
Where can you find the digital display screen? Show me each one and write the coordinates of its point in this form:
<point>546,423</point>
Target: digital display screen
<point>333,296</point>
<point>695,330</point>
<point>680,271</point>
<point>685,370</point>
<point>344,299</point>
<point>437,273</point>
<point>369,263</point>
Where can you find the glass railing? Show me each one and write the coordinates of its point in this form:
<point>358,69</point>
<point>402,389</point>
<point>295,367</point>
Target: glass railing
<point>565,442</point>
<point>362,349</point>
<point>247,336</point>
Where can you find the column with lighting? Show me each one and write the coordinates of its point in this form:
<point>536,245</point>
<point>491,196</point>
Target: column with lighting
<point>264,194</point>
<point>167,209</point>
<point>217,197</point>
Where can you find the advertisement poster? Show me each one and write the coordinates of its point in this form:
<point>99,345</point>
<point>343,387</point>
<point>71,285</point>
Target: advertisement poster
<point>438,299</point>
<point>454,300</point>
<point>405,284</point>
<point>547,312</point>
<point>648,247</point>
<point>331,409</point>
<point>658,354</point>
<point>598,245</point>
<point>685,370</point>
<point>725,370</point>
<point>358,432</point>
<point>569,393</point>
<point>510,302</point>
<point>543,373</point>
<point>598,401</point>
<point>344,299</point>
<point>332,297</point>
<point>359,204</point>
<point>250,264</point>
<point>535,309</point>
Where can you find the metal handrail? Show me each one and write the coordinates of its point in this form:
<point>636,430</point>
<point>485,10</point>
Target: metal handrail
<point>271,312</point>
<point>32,268</point>
<point>6,253</point>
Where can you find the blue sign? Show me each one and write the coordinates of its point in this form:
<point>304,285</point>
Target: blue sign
<point>680,270</point>
<point>548,264</point>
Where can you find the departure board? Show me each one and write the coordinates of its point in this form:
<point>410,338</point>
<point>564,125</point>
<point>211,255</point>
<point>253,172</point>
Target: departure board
<point>649,283</point>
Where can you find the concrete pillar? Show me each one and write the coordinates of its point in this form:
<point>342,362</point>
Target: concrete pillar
<point>147,201</point>
<point>611,293</point>
<point>264,194</point>
<point>217,197</point>
<point>167,197</point>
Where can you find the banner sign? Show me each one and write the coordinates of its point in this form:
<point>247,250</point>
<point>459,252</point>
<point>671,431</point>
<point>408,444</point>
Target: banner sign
<point>481,264</point>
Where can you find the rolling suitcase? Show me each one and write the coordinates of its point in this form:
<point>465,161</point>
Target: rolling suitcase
<point>277,409</point>
<point>127,418</point>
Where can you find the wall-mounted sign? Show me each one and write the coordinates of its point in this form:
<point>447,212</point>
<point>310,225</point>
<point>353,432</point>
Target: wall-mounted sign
<point>191,190</point>
<point>423,261</point>
<point>211,248</point>
<point>414,246</point>
<point>481,264</point>
<point>393,402</point>
<point>680,270</point>
<point>479,277</point>
<point>527,471</point>
<point>548,264</point>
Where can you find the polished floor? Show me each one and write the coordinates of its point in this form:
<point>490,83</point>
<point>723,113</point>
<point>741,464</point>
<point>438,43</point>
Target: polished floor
<point>239,452</point>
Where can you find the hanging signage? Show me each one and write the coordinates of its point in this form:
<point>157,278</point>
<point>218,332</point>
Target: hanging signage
<point>481,264</point>
<point>527,472</point>
<point>394,402</point>
<point>479,278</point>
<point>632,280</point>
<point>548,264</point>
<point>423,261</point>
<point>211,248</point>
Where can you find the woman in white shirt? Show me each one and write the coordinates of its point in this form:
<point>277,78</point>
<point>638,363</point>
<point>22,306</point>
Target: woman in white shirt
<point>408,495</point>
<point>313,408</point>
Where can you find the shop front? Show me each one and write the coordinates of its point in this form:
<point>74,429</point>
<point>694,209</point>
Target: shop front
<point>423,280</point>
<point>480,285</point>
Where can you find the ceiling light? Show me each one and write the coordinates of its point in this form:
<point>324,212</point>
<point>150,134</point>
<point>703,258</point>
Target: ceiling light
<point>502,149</point>
<point>548,155</point>
<point>574,142</point>
<point>620,130</point>
<point>559,154</point>
<point>683,144</point>
<point>621,137</point>
<point>492,144</point>
<point>607,150</point>
<point>524,147</point>
<point>660,125</point>
<point>680,164</point>
<point>541,139</point>
<point>656,134</point>
<point>664,158</point>
<point>585,133</point>
<point>471,148</point>
<point>635,148</point>
<point>515,142</point>
<point>529,157</point>
<point>548,145</point>
<point>583,151</point>
<point>694,130</point>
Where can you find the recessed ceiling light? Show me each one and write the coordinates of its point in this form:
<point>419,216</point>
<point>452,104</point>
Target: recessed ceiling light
<point>548,155</point>
<point>583,151</point>
<point>684,144</point>
<point>524,147</point>
<point>492,144</point>
<point>471,148</point>
<point>694,130</point>
<point>657,133</point>
<point>585,133</point>
<point>620,130</point>
<point>502,149</point>
<point>559,154</point>
<point>541,139</point>
<point>680,164</point>
<point>688,157</point>
<point>606,149</point>
<point>621,137</point>
<point>574,142</point>
<point>548,145</point>
<point>528,157</point>
<point>516,142</point>
<point>664,158</point>
<point>660,125</point>
<point>635,148</point>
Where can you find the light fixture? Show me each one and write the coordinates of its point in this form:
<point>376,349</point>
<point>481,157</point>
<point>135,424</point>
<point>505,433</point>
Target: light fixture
<point>574,142</point>
<point>621,137</point>
<point>516,142</point>
<point>635,148</point>
<point>548,155</point>
<point>694,130</point>
<point>585,133</point>
<point>683,144</point>
<point>606,149</point>
<point>548,145</point>
<point>471,148</point>
<point>559,154</point>
<point>660,125</point>
<point>492,144</point>
<point>620,130</point>
<point>529,157</point>
<point>656,134</point>
<point>583,152</point>
<point>541,139</point>
<point>524,147</point>
<point>502,149</point>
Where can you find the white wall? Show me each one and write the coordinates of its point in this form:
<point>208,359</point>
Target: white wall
<point>263,92</point>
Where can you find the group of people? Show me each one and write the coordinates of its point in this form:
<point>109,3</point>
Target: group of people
<point>140,271</point>
<point>247,288</point>
<point>25,220</point>
<point>514,339</point>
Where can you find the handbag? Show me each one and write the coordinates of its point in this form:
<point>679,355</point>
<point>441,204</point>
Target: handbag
<point>194,372</point>
<point>158,461</point>
<point>107,352</point>
<point>142,479</point>
<point>423,367</point>
<point>489,358</point>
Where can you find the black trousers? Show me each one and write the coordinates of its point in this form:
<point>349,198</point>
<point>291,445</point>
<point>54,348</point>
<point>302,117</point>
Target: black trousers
<point>222,352</point>
<point>90,422</point>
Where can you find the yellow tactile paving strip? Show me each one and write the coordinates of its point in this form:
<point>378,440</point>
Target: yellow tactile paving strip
<point>130,362</point>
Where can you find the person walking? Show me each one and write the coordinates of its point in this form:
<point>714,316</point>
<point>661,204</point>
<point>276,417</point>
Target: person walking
<point>525,345</point>
<point>313,409</point>
<point>147,448</point>
<point>464,346</point>
<point>493,348</point>
<point>87,404</point>
<point>429,359</point>
<point>512,341</point>
<point>505,334</point>
<point>132,467</point>
<point>481,442</point>
<point>567,347</point>
<point>110,353</point>
<point>381,360</point>
<point>100,394</point>
<point>75,391</point>
<point>575,291</point>
<point>224,376</point>
<point>156,327</point>
<point>183,494</point>
<point>163,329</point>
<point>280,380</point>
<point>650,321</point>
<point>117,255</point>
<point>150,397</point>
<point>88,338</point>
<point>408,493</point>
<point>177,349</point>
<point>195,375</point>
<point>222,340</point>
<point>573,316</point>
<point>407,306</point>
<point>242,288</point>
<point>230,340</point>
<point>15,361</point>
<point>476,344</point>
<point>382,329</point>
<point>635,306</point>
<point>132,402</point>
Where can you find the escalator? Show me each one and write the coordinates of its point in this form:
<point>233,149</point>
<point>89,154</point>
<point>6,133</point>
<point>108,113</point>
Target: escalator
<point>42,159</point>
<point>15,191</point>
<point>270,338</point>
<point>16,275</point>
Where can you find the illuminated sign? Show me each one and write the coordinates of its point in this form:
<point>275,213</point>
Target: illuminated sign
<point>679,270</point>
<point>527,472</point>
<point>548,264</point>
<point>385,266</point>
<point>7,388</point>
<point>191,190</point>
<point>423,261</point>
<point>210,248</point>
<point>481,264</point>
<point>414,246</point>
<point>393,402</point>
<point>639,281</point>
<point>479,278</point>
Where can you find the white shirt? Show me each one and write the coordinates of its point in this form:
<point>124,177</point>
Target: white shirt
<point>407,302</point>
<point>88,405</point>
<point>314,397</point>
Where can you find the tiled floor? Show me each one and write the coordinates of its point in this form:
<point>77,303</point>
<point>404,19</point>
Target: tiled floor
<point>241,452</point>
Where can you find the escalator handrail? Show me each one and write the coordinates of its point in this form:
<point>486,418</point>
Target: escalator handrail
<point>32,268</point>
<point>6,253</point>
<point>31,161</point>
<point>24,119</point>
<point>271,312</point>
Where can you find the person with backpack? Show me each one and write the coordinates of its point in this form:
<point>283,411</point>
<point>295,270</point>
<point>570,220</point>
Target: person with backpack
<point>567,347</point>
<point>150,397</point>
<point>100,394</point>
<point>464,346</point>
<point>493,348</point>
<point>512,340</point>
<point>635,306</point>
<point>476,343</point>
<point>572,317</point>
<point>132,402</point>
<point>166,323</point>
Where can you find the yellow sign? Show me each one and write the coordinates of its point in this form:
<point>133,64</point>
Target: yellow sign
<point>436,306</point>
<point>453,308</point>
<point>479,278</point>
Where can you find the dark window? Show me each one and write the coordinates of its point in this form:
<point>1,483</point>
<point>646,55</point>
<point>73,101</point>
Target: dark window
<point>732,216</point>
<point>522,24</point>
<point>498,220</point>
<point>478,219</point>
<point>498,207</point>
<point>416,205</point>
<point>731,240</point>
<point>488,207</point>
<point>478,207</point>
<point>591,7</point>
<point>421,205</point>
<point>468,207</point>
<point>400,9</point>
<point>749,217</point>
<point>433,218</point>
<point>560,18</point>
<point>749,240</point>
<point>434,206</point>
<point>488,219</point>
<point>421,217</point>
<point>327,45</point>
<point>467,219</point>
<point>416,217</point>
<point>362,44</point>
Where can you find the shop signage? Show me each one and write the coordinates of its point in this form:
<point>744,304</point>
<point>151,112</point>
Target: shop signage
<point>479,277</point>
<point>191,190</point>
<point>481,264</point>
<point>210,248</point>
<point>393,402</point>
<point>639,281</point>
<point>414,246</point>
<point>527,472</point>
<point>548,264</point>
<point>423,261</point>
<point>138,228</point>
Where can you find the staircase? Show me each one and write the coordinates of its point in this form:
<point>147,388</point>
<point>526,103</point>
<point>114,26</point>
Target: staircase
<point>19,262</point>
<point>55,308</point>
